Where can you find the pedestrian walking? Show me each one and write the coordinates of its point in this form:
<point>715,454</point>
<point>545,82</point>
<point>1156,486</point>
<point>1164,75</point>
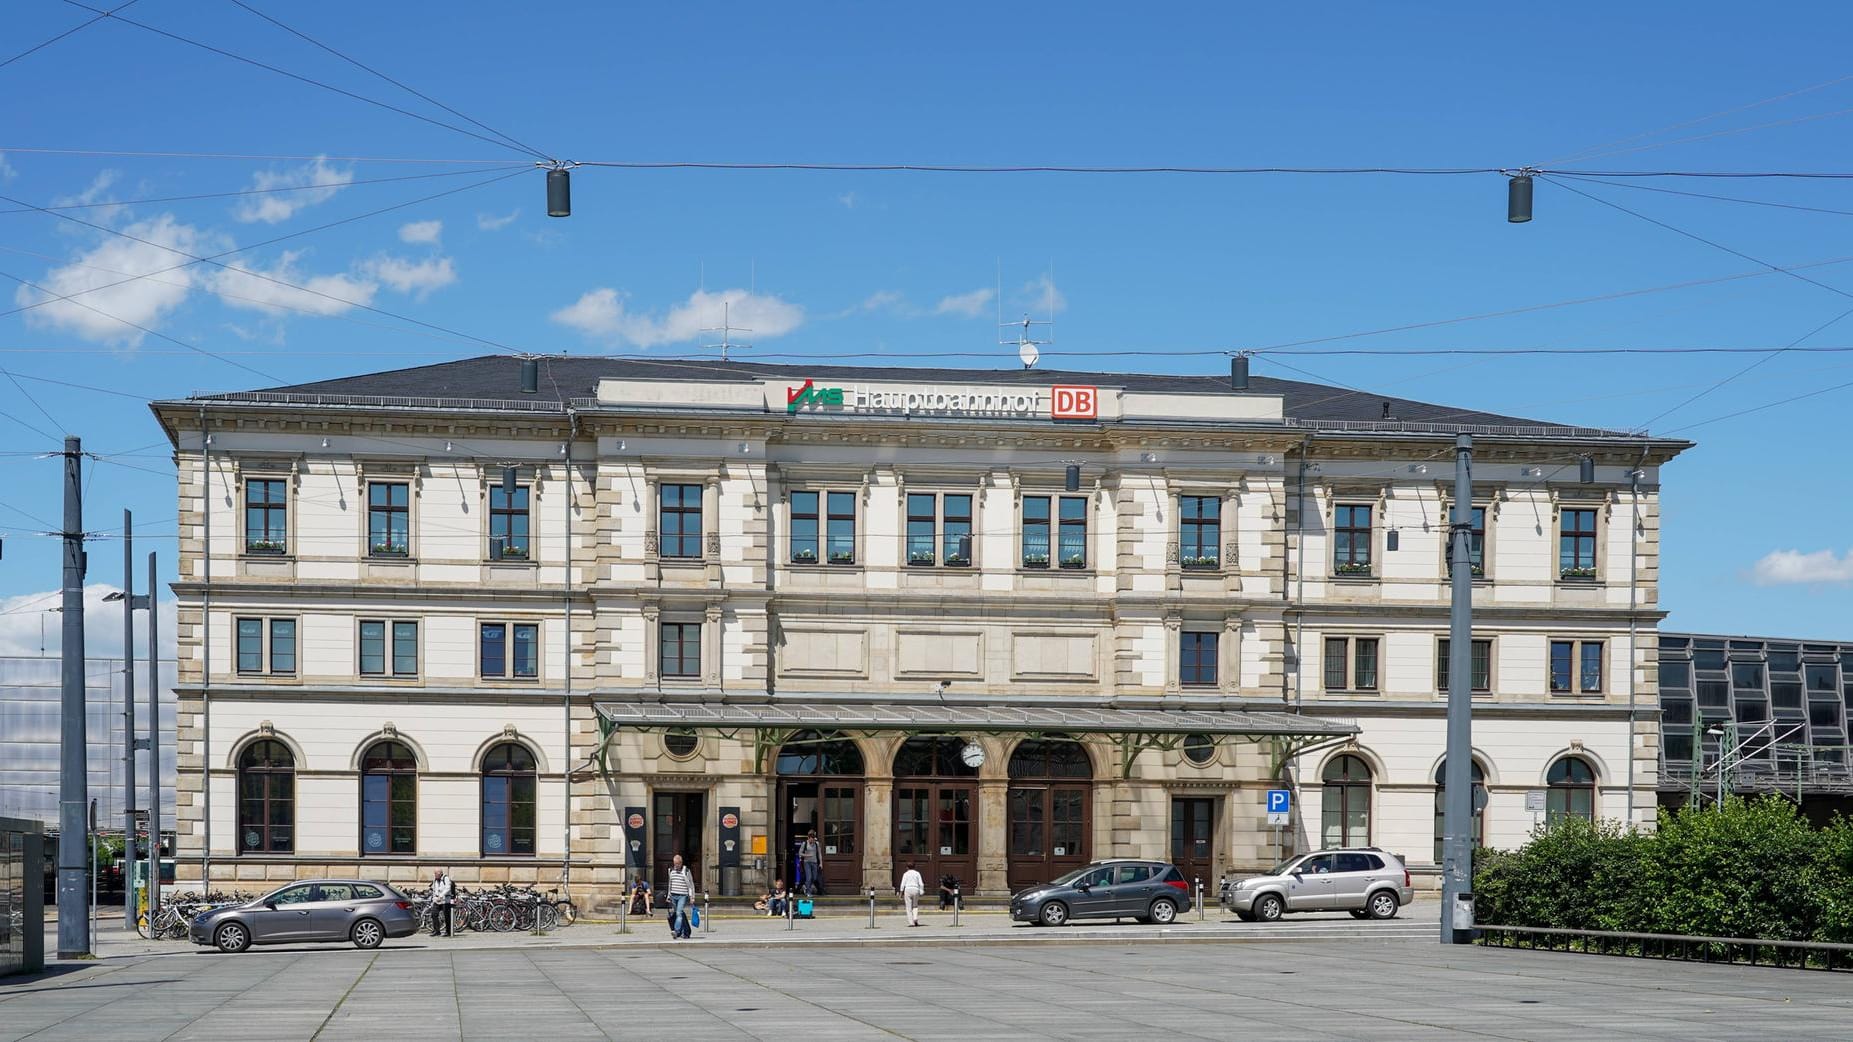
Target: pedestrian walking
<point>810,861</point>
<point>442,893</point>
<point>681,896</point>
<point>912,886</point>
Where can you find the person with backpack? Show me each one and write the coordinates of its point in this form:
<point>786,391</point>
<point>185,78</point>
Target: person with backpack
<point>641,898</point>
<point>912,886</point>
<point>681,896</point>
<point>810,862</point>
<point>442,891</point>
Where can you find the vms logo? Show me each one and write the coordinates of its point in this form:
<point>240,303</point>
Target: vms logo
<point>798,397</point>
<point>1073,403</point>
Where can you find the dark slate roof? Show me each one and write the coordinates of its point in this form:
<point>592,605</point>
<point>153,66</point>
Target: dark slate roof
<point>564,377</point>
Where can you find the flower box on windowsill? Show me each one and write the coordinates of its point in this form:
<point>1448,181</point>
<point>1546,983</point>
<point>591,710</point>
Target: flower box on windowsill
<point>920,557</point>
<point>1075,561</point>
<point>842,557</point>
<point>1352,570</point>
<point>1580,575</point>
<point>265,547</point>
<point>1199,564</point>
<point>389,550</point>
<point>804,557</point>
<point>1035,560</point>
<point>958,561</point>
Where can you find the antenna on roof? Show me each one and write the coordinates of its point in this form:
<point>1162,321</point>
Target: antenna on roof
<point>726,329</point>
<point>1028,347</point>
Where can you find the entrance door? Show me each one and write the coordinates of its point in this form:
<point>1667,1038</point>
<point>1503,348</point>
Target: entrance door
<point>1193,839</point>
<point>933,828</point>
<point>677,829</point>
<point>1048,832</point>
<point>834,811</point>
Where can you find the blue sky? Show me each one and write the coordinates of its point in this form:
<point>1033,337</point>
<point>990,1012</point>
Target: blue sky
<point>830,264</point>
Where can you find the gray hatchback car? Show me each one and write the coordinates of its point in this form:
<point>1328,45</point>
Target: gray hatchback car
<point>1365,881</point>
<point>357,910</point>
<point>1149,891</point>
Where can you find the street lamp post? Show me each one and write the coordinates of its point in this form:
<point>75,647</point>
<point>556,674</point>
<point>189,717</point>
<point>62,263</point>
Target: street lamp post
<point>130,743</point>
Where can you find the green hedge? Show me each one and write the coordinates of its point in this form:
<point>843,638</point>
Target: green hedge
<point>1751,869</point>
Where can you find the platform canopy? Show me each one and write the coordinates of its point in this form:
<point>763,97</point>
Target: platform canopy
<point>773,723</point>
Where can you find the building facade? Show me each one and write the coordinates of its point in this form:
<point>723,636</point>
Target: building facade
<point>560,619</point>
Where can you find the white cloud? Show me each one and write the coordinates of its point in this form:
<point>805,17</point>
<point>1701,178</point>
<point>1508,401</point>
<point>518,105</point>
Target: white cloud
<point>97,191</point>
<point>427,232</point>
<point>491,223</point>
<point>277,207</point>
<point>414,277</point>
<point>969,305</point>
<point>1792,567</point>
<point>1041,294</point>
<point>7,173</point>
<point>848,199</point>
<point>21,616</point>
<point>143,301</point>
<point>600,314</point>
<point>240,286</point>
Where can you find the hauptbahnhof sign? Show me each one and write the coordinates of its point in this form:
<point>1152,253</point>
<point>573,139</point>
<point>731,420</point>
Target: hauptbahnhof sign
<point>1059,402</point>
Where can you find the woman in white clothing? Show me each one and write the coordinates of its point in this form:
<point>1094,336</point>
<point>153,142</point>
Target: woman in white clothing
<point>912,886</point>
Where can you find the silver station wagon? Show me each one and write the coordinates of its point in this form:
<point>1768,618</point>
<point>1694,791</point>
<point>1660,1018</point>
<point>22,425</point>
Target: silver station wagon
<point>359,911</point>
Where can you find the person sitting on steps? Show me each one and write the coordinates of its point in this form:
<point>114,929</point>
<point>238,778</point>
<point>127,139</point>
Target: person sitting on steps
<point>949,892</point>
<point>773,902</point>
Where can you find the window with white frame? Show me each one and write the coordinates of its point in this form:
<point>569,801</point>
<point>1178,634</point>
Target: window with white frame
<point>388,647</point>
<point>266,646</point>
<point>1351,663</point>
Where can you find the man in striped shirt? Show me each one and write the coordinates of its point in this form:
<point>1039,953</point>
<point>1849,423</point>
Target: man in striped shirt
<point>681,895</point>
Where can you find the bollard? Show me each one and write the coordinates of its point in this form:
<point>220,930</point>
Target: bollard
<point>707,912</point>
<point>1199,898</point>
<point>624,908</point>
<point>791,901</point>
<point>871,908</point>
<point>956,902</point>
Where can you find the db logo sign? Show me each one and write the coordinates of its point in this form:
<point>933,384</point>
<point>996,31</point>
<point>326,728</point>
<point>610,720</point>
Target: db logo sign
<point>635,821</point>
<point>729,821</point>
<point>1073,403</point>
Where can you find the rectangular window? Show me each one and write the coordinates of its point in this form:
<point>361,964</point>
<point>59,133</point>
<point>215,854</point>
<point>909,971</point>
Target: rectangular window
<point>957,528</point>
<point>374,657</point>
<point>679,521</point>
<point>510,650</point>
<point>1364,663</point>
<point>1336,648</point>
<point>1476,544</point>
<point>389,519</point>
<point>840,526</point>
<point>1197,659</point>
<point>283,645</point>
<point>250,645</point>
<point>1482,675</point>
<point>922,528</point>
<point>1576,667</point>
<point>508,524</point>
<point>1351,663</point>
<point>1576,544</point>
<point>804,528</point>
<point>1073,532</point>
<point>681,649</point>
<point>404,649</point>
<point>266,516</point>
<point>1035,531</point>
<point>1351,543</point>
<point>1199,531</point>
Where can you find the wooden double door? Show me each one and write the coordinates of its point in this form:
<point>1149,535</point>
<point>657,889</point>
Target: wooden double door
<point>1049,826</point>
<point>833,809</point>
<point>677,820</point>
<point>936,828</point>
<point>1193,838</point>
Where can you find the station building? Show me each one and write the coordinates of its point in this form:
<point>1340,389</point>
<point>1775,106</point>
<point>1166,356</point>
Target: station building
<point>558,619</point>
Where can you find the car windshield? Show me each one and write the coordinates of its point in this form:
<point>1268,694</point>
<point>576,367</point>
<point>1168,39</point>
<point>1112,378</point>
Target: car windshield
<point>1068,877</point>
<point>1285,866</point>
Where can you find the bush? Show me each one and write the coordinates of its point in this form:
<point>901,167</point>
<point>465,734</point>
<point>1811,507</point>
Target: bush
<point>1750,869</point>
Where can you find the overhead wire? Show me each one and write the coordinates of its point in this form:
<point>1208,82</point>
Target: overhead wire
<point>368,68</point>
<point>79,27</point>
<point>1705,195</point>
<point>1683,124</point>
<point>310,80</point>
<point>1791,121</point>
<point>36,404</point>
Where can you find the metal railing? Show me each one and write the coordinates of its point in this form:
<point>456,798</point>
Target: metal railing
<point>1742,951</point>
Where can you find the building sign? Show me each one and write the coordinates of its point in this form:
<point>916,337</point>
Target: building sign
<point>1060,402</point>
<point>636,855</point>
<point>730,837</point>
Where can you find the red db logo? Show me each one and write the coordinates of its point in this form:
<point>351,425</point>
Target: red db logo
<point>1073,403</point>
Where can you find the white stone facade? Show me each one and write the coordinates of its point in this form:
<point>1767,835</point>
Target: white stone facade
<point>391,646</point>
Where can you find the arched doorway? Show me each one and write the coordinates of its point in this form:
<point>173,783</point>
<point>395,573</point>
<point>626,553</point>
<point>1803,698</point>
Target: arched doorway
<point>935,811</point>
<point>820,788</point>
<point>1051,810</point>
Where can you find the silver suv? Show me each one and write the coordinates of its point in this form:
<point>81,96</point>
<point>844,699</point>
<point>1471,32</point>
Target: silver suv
<point>1364,881</point>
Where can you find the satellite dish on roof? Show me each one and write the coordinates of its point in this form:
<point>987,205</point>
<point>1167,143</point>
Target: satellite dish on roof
<point>1026,351</point>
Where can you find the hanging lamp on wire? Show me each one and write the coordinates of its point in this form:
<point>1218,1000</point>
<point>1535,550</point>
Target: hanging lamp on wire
<point>560,188</point>
<point>1518,196</point>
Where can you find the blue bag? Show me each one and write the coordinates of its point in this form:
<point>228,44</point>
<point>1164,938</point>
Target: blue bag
<point>804,908</point>
<point>694,917</point>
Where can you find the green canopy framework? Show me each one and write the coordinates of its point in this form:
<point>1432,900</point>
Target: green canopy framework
<point>1131,730</point>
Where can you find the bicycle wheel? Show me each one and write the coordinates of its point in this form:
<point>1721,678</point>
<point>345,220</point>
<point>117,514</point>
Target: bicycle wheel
<point>502,919</point>
<point>569,912</point>
<point>546,917</point>
<point>141,926</point>
<point>479,916</point>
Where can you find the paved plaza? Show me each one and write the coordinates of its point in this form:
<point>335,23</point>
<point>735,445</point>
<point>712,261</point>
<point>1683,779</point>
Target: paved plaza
<point>1303,981</point>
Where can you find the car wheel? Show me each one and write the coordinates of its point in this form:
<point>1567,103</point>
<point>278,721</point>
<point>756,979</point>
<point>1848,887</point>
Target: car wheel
<point>1382,905</point>
<point>368,933</point>
<point>1268,908</point>
<point>1164,913</point>
<point>232,938</point>
<point>1054,913</point>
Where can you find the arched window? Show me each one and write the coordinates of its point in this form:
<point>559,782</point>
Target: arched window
<point>388,799</point>
<point>508,801</point>
<point>1049,804</point>
<point>1037,758</point>
<point>1345,817</point>
<point>1572,790</point>
<point>936,757</point>
<point>809,752</point>
<point>266,798</point>
<point>1441,806</point>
